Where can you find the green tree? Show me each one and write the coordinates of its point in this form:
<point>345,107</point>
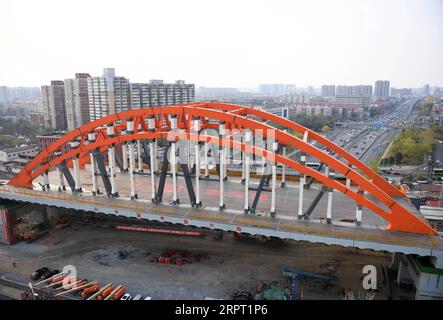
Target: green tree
<point>326,128</point>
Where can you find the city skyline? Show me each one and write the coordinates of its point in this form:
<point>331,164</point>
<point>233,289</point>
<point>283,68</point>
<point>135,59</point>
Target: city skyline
<point>395,40</point>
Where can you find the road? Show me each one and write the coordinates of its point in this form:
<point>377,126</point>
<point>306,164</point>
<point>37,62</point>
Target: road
<point>367,140</point>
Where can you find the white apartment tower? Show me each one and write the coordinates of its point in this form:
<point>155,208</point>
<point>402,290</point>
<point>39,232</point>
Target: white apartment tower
<point>328,90</point>
<point>77,101</point>
<point>381,90</point>
<point>107,94</point>
<point>157,93</point>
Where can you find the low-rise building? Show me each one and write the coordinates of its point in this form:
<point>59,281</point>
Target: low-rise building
<point>340,111</point>
<point>43,141</point>
<point>10,154</point>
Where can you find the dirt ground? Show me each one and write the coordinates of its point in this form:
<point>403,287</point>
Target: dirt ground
<point>232,264</point>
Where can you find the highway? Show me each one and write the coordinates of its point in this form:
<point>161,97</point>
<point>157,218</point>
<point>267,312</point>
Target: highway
<point>367,140</point>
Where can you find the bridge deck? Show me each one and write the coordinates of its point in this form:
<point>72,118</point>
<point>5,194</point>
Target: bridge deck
<point>343,208</point>
<point>284,225</point>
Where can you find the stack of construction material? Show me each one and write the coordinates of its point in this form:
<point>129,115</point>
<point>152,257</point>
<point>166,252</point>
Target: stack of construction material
<point>178,257</point>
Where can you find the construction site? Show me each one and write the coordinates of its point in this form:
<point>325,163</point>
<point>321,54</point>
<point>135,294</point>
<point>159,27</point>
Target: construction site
<point>112,254</point>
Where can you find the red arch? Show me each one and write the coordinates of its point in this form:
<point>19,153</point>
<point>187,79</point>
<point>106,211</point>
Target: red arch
<point>242,110</point>
<point>398,217</point>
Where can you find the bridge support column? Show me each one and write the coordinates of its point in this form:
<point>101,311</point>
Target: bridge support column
<point>153,171</point>
<point>348,181</point>
<point>206,160</point>
<point>93,175</point>
<point>155,155</point>
<point>330,173</point>
<point>91,139</point>
<point>153,168</point>
<point>46,186</point>
<point>359,211</point>
<point>139,156</point>
<point>130,146</point>
<point>283,169</point>
<point>61,180</point>
<point>246,165</point>
<point>301,188</point>
<point>221,149</point>
<point>197,162</point>
<point>125,157</point>
<point>111,165</point>
<point>76,165</point>
<point>226,152</point>
<point>173,156</point>
<point>111,161</point>
<point>132,170</point>
<point>274,179</point>
<point>243,166</point>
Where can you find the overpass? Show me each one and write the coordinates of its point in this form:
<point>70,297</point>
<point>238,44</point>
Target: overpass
<point>114,166</point>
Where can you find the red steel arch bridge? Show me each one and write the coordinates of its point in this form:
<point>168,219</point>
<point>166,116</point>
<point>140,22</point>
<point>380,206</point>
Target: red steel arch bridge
<point>224,167</point>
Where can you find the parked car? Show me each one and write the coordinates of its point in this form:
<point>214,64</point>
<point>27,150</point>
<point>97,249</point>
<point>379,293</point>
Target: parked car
<point>126,296</point>
<point>138,297</point>
<point>148,298</point>
<point>37,274</point>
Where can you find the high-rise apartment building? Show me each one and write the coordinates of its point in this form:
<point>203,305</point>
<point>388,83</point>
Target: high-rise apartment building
<point>381,90</point>
<point>272,89</point>
<point>426,90</point>
<point>328,90</point>
<point>359,90</point>
<point>344,90</point>
<point>3,94</point>
<point>290,88</point>
<point>122,96</point>
<point>111,94</point>
<point>157,93</point>
<point>53,103</point>
<point>76,100</point>
<point>98,97</point>
<point>107,94</point>
<point>363,90</point>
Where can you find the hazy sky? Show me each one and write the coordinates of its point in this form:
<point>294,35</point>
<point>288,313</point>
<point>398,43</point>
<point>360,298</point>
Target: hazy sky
<point>224,42</point>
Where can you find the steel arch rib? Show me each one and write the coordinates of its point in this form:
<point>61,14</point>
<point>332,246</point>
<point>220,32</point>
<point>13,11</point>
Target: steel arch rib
<point>389,189</point>
<point>398,218</point>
